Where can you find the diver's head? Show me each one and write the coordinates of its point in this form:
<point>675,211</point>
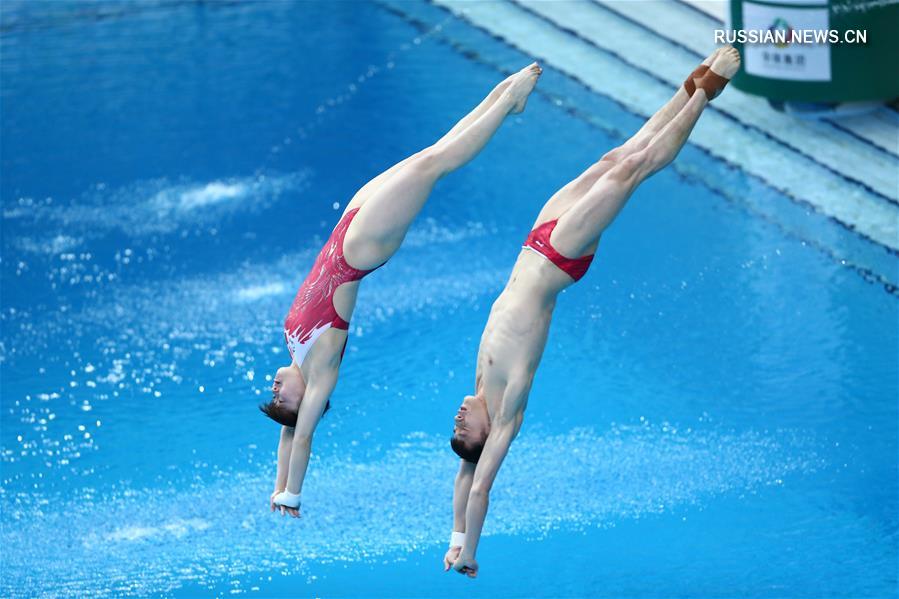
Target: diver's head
<point>288,389</point>
<point>471,425</point>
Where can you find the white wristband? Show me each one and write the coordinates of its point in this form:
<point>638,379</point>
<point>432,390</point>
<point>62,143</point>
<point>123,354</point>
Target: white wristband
<point>457,539</point>
<point>287,499</point>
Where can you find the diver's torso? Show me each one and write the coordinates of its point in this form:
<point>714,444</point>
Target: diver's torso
<point>517,328</point>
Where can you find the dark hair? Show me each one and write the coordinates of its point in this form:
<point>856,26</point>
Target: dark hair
<point>283,415</point>
<point>470,452</point>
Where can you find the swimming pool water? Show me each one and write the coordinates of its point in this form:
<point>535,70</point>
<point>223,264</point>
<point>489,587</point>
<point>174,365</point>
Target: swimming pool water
<point>715,414</point>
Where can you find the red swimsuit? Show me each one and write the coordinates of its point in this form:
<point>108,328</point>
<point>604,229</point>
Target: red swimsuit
<point>538,241</point>
<point>312,312</point>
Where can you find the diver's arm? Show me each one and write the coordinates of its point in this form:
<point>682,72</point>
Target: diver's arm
<point>461,489</point>
<point>311,409</point>
<point>495,450</point>
<point>283,457</point>
<point>284,444</point>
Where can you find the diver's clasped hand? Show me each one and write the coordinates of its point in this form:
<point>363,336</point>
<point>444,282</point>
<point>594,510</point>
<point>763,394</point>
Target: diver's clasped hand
<point>287,499</point>
<point>287,502</point>
<point>452,554</point>
<point>467,566</point>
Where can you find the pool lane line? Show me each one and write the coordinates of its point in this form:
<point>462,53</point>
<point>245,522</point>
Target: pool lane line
<point>799,200</point>
<point>699,11</point>
<point>887,105</point>
<point>866,274</point>
<point>728,115</point>
<point>839,126</point>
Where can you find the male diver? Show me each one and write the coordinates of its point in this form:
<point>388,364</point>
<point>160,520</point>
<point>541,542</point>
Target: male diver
<point>555,254</point>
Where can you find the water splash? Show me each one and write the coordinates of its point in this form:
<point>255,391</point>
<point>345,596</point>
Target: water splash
<point>253,293</point>
<point>191,198</point>
<point>177,528</point>
<point>150,206</point>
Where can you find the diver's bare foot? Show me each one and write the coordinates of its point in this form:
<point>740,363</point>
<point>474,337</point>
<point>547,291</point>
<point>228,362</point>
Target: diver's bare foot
<point>724,65</point>
<point>497,92</point>
<point>726,62</point>
<point>711,57</point>
<point>502,85</point>
<point>521,85</point>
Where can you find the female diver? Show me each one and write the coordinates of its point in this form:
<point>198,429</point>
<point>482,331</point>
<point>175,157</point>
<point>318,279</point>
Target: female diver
<point>370,231</point>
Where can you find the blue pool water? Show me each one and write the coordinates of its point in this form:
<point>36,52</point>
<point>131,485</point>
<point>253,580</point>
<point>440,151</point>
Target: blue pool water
<point>715,414</point>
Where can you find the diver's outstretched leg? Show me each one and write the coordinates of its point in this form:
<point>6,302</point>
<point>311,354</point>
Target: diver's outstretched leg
<point>383,219</point>
<point>494,95</point>
<point>563,199</point>
<point>578,230</point>
<point>369,188</point>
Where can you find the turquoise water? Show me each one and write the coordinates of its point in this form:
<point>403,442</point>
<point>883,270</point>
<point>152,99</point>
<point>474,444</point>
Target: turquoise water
<point>715,413</point>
